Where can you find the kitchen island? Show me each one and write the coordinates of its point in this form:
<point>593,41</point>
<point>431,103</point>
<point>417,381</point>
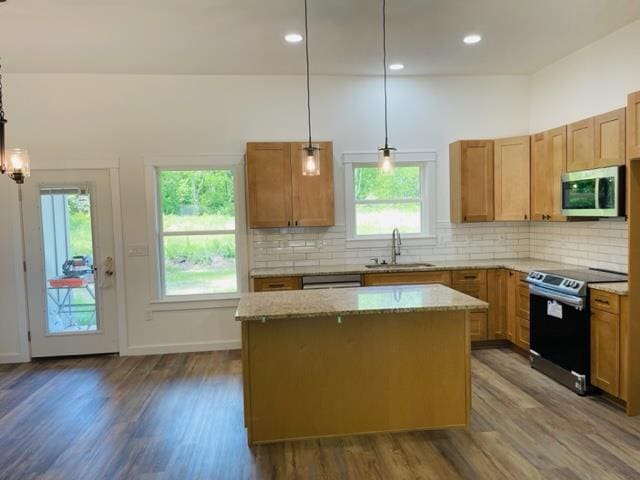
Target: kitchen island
<point>320,363</point>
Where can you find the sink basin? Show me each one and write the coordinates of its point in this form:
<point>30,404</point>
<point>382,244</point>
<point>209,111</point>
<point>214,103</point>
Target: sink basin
<point>400,265</point>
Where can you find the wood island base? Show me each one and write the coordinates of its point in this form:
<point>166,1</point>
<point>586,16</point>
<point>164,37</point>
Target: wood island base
<point>371,373</point>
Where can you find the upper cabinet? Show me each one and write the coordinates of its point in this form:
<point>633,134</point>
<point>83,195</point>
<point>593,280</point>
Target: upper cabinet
<point>580,143</point>
<point>312,196</point>
<point>633,126</point>
<point>471,178</point>
<point>511,177</point>
<point>548,163</point>
<point>610,139</point>
<point>597,141</point>
<point>279,195</point>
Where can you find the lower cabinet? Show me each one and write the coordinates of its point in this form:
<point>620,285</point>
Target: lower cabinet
<point>609,342</point>
<point>474,284</point>
<point>518,309</point>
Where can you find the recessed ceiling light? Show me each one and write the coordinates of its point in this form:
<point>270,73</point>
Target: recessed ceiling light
<point>472,39</point>
<point>396,66</point>
<point>293,37</point>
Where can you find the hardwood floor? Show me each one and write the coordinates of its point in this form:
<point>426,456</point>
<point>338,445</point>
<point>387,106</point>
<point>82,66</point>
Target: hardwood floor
<point>180,417</point>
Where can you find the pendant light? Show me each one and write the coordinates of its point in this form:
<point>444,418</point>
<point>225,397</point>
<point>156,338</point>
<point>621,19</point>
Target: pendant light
<point>310,154</point>
<point>14,162</point>
<point>386,154</point>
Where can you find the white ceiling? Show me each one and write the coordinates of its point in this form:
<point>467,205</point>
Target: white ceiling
<point>245,36</point>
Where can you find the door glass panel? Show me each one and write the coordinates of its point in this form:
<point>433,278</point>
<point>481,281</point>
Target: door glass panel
<point>579,194</point>
<point>606,193</point>
<point>67,237</point>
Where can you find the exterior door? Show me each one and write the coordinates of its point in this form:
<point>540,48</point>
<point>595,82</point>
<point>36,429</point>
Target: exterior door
<point>69,248</point>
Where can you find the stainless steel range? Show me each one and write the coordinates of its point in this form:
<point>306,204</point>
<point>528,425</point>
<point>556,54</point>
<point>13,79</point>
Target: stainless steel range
<point>560,326</point>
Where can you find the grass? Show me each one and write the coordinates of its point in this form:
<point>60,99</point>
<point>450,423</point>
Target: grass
<point>376,219</point>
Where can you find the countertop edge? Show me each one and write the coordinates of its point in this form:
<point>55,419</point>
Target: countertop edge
<point>617,288</point>
<point>352,313</point>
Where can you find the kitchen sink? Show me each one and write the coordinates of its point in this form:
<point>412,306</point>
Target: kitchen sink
<point>400,265</point>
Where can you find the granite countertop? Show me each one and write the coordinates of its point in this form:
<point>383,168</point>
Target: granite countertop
<point>524,265</point>
<point>619,288</point>
<point>353,301</point>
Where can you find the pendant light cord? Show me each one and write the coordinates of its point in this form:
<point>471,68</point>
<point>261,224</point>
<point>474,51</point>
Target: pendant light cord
<point>384,69</point>
<point>306,44</point>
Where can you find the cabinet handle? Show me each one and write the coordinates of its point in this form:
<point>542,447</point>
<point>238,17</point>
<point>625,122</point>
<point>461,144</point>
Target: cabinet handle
<point>276,285</point>
<point>470,277</point>
<point>599,300</point>
<point>526,216</point>
<point>288,223</point>
<point>465,218</point>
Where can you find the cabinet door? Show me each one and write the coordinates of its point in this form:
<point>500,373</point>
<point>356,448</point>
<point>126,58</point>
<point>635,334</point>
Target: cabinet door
<point>610,134</point>
<point>557,161</point>
<point>633,126</point>
<point>497,296</point>
<point>512,317</point>
<point>476,181</point>
<point>541,177</point>
<point>580,142</point>
<point>312,196</point>
<point>478,326</point>
<point>605,351</point>
<point>511,177</point>
<point>624,347</point>
<point>269,184</point>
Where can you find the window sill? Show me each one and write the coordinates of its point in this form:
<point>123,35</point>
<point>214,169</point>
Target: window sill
<point>194,303</point>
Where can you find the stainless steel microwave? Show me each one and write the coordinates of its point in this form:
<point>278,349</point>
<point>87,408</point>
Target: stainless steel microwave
<point>594,193</point>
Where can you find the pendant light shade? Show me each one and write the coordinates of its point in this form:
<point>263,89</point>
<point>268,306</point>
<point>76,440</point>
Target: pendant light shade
<point>310,154</point>
<point>386,159</point>
<point>18,164</point>
<point>386,153</point>
<point>310,160</point>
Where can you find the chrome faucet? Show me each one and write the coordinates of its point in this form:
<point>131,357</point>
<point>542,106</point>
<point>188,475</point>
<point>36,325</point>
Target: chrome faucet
<point>396,241</point>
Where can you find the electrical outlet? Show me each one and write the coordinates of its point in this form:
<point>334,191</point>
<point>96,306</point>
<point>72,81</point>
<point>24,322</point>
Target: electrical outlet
<point>148,315</point>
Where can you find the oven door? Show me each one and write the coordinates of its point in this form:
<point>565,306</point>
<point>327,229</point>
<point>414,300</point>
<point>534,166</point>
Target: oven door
<point>560,329</point>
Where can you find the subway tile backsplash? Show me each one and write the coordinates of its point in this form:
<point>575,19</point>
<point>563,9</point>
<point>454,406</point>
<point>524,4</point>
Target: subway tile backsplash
<point>600,244</point>
<point>288,247</point>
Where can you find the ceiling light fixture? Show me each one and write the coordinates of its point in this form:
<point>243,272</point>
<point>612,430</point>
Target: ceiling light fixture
<point>14,162</point>
<point>293,37</point>
<point>472,39</point>
<point>386,154</point>
<point>310,157</point>
<point>396,66</point>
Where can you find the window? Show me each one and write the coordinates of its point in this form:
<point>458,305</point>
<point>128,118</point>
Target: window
<point>378,202</point>
<point>197,232</point>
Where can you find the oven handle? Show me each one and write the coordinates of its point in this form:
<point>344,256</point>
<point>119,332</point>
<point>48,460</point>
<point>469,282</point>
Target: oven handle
<point>559,297</point>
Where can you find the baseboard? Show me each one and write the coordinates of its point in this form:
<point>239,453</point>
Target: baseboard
<point>480,344</point>
<point>181,348</point>
<point>14,358</point>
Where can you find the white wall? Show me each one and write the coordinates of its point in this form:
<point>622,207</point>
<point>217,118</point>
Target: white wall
<point>593,80</point>
<point>66,119</point>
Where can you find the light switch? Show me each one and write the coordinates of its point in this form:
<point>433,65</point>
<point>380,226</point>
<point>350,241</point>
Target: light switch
<point>138,251</point>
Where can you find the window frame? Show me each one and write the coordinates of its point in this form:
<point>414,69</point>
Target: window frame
<point>426,160</point>
<point>235,167</point>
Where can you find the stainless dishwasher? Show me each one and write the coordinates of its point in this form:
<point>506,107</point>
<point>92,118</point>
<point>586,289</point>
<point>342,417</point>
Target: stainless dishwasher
<point>313,282</point>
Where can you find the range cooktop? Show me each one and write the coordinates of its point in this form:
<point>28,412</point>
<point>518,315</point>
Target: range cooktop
<point>573,281</point>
